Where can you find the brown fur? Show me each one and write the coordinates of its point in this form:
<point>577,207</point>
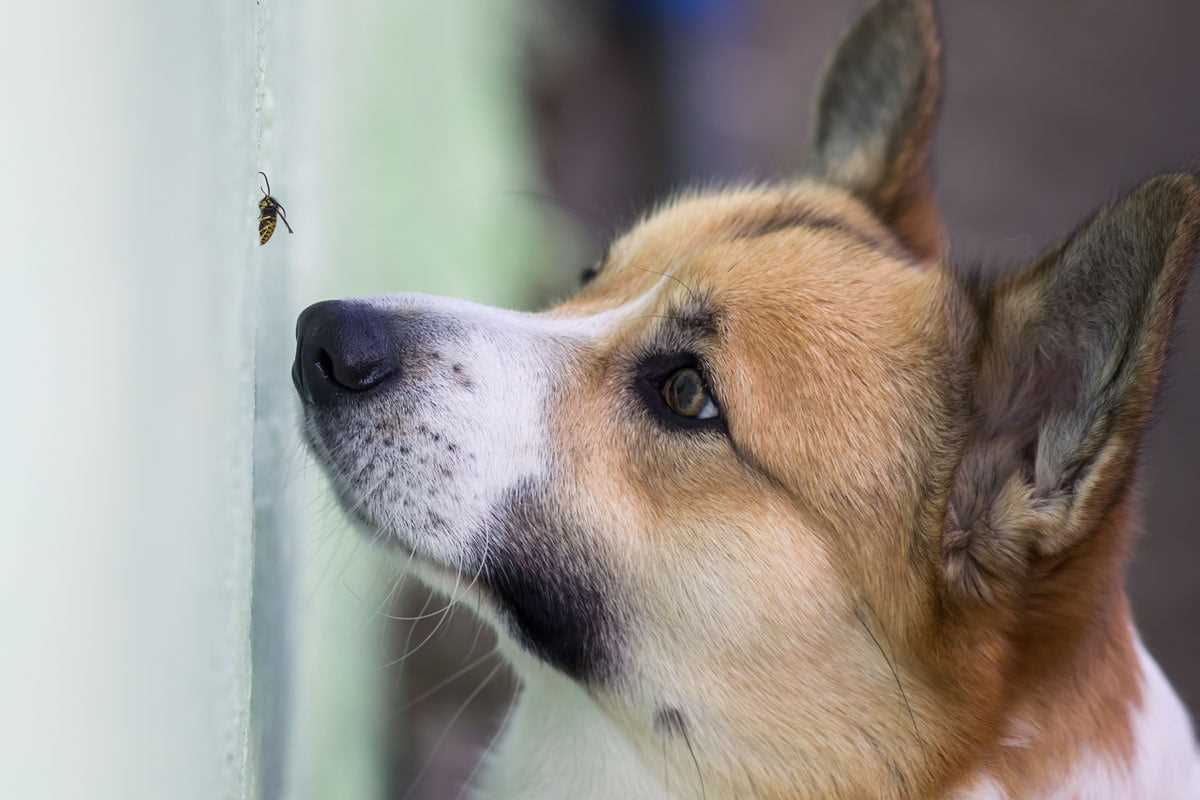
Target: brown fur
<point>875,513</point>
<point>842,370</point>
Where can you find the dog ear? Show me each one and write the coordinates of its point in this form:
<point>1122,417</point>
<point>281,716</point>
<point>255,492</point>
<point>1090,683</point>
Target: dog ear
<point>875,118</point>
<point>1070,353</point>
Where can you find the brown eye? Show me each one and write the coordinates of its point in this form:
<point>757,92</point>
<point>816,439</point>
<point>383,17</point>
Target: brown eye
<point>686,395</point>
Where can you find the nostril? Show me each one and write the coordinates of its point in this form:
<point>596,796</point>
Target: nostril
<point>349,375</point>
<point>324,365</point>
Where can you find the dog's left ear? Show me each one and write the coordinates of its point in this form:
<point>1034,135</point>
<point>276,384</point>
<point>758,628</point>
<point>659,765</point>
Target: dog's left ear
<point>875,118</point>
<point>1068,363</point>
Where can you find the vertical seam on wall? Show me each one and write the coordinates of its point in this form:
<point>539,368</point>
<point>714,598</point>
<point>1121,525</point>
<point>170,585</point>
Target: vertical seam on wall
<point>260,125</point>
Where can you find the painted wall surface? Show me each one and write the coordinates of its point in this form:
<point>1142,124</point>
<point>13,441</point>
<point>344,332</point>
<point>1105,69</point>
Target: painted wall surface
<point>185,613</point>
<point>127,153</point>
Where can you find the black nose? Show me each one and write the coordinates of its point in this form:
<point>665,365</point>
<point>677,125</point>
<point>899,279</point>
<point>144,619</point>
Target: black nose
<point>343,348</point>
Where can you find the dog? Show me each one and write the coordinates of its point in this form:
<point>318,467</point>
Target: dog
<point>781,504</point>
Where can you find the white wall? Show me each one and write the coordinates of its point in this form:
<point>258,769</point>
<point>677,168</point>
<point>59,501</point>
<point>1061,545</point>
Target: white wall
<point>127,151</point>
<point>153,494</point>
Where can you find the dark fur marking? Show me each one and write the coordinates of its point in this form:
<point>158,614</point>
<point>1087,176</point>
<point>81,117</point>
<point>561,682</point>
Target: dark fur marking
<point>459,373</point>
<point>556,596</point>
<point>699,320</point>
<point>686,326</point>
<point>800,218</point>
<point>670,721</point>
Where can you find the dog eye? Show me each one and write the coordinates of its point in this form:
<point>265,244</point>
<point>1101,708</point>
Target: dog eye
<point>686,395</point>
<point>588,275</point>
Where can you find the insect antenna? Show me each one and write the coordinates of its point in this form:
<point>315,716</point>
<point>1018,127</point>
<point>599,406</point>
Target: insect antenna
<point>267,191</point>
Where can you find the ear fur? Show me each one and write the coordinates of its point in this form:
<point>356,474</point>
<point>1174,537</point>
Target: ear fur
<point>1069,362</point>
<point>875,118</point>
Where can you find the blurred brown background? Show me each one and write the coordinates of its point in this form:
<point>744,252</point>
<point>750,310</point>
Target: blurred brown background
<point>1050,110</point>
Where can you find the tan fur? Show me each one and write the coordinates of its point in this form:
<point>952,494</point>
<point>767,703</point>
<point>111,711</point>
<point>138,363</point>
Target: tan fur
<point>833,624</point>
<point>840,366</point>
<point>810,320</point>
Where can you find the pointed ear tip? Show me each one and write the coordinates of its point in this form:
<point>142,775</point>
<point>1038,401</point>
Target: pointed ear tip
<point>1170,199</point>
<point>920,21</point>
<point>1179,194</point>
<point>1183,187</point>
<point>924,12</point>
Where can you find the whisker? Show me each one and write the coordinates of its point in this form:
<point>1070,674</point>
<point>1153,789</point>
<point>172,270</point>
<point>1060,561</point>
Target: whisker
<point>336,543</point>
<point>479,623</point>
<point>666,764</point>
<point>891,666</point>
<point>454,594</point>
<point>695,761</point>
<point>412,629</point>
<point>298,453</point>
<point>437,746</point>
<point>449,679</point>
<point>364,496</point>
<point>669,276</point>
<point>444,612</point>
<point>398,584</point>
<point>483,757</point>
<point>735,264</point>
<point>358,542</point>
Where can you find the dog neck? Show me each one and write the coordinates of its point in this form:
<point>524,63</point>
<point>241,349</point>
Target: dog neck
<point>559,743</point>
<point>1079,736</point>
<point>1079,740</point>
<point>1088,713</point>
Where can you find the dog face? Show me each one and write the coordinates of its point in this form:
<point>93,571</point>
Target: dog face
<point>776,480</point>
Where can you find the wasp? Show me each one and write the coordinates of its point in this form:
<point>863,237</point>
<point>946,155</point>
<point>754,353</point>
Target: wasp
<point>269,211</point>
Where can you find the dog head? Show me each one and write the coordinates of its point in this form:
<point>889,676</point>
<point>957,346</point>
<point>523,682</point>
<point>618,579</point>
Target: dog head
<point>776,478</point>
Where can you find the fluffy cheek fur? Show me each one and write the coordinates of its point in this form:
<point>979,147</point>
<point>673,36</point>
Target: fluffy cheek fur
<point>740,642</point>
<point>739,630</point>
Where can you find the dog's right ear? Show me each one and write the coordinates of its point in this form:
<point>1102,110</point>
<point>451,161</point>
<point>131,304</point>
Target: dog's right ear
<point>875,118</point>
<point>1070,353</point>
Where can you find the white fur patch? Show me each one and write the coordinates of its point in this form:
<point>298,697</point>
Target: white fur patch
<point>560,744</point>
<point>985,788</point>
<point>1166,764</point>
